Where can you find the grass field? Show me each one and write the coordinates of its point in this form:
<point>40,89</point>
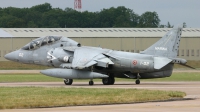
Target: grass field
<point>194,76</point>
<point>8,65</point>
<point>31,97</point>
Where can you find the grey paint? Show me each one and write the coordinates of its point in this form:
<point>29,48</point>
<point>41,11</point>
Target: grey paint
<point>157,61</point>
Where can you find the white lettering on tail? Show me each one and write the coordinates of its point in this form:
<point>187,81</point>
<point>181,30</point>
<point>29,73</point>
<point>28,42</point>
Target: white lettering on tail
<point>161,48</point>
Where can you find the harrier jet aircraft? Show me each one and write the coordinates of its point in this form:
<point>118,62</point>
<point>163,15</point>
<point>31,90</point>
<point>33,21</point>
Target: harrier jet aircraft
<point>73,61</point>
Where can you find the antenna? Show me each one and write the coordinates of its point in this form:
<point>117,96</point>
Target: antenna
<point>77,5</point>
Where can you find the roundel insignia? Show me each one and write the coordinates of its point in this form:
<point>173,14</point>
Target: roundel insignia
<point>134,62</point>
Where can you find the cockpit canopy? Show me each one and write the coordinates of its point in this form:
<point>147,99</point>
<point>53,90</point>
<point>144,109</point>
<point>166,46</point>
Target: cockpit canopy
<point>41,42</point>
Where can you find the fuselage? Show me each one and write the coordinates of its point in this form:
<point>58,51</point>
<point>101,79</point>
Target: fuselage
<point>53,54</point>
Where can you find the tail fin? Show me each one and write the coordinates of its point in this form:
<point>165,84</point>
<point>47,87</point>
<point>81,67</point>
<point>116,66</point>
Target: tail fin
<point>168,45</point>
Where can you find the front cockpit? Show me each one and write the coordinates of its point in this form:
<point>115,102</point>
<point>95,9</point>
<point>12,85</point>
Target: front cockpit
<point>41,42</point>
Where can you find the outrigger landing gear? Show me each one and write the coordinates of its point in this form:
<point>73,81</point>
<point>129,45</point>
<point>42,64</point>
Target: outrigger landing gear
<point>138,79</point>
<point>68,81</point>
<point>109,81</point>
<point>91,82</point>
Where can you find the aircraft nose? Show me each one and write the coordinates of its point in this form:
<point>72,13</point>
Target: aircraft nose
<point>11,56</point>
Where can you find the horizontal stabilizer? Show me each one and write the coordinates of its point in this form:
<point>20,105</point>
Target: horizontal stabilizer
<point>160,62</point>
<point>187,66</point>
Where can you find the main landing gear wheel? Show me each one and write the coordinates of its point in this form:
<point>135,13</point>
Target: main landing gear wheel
<point>68,81</point>
<point>112,81</point>
<point>91,83</point>
<point>108,81</point>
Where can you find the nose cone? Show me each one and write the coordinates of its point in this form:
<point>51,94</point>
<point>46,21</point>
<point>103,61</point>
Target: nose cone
<point>11,56</point>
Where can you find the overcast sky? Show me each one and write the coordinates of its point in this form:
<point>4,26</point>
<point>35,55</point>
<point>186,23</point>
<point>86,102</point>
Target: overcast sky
<point>174,11</point>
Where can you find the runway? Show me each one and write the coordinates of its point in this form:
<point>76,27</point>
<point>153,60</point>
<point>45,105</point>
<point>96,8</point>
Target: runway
<point>192,90</point>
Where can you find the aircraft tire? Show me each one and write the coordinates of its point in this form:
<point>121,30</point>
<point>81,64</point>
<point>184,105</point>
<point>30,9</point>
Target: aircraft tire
<point>112,80</point>
<point>68,81</point>
<point>91,83</point>
<point>106,81</point>
<point>137,81</point>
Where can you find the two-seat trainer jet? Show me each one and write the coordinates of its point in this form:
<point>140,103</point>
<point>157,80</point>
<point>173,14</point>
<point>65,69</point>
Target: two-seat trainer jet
<point>73,61</point>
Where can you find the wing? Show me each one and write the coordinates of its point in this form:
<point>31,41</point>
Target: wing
<point>86,57</point>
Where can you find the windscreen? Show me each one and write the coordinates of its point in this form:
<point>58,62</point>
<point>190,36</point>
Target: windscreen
<point>41,42</point>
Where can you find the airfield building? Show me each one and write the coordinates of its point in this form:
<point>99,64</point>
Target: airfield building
<point>122,39</point>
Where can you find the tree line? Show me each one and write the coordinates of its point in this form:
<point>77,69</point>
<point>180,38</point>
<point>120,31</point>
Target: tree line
<point>44,16</point>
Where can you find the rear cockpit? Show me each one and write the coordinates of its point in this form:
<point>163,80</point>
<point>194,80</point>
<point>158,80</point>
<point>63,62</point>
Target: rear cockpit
<point>42,41</point>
